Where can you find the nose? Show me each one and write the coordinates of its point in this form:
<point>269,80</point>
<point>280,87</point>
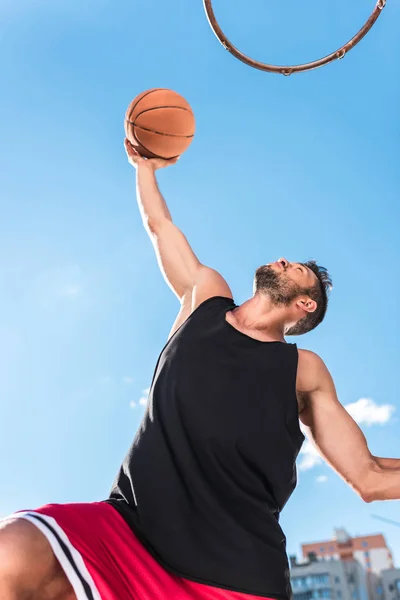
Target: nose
<point>284,262</point>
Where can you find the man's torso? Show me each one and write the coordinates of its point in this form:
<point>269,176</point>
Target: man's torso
<point>213,462</point>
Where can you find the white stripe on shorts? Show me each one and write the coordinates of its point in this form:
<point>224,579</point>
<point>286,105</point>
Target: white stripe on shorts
<point>69,558</point>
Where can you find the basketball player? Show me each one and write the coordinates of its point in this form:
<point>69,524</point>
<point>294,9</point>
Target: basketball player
<point>194,511</point>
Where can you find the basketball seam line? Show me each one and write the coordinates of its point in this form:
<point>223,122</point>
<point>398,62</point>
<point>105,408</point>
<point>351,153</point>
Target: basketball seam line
<point>143,146</point>
<point>160,132</point>
<point>147,149</point>
<point>144,96</point>
<point>167,106</point>
<point>133,129</point>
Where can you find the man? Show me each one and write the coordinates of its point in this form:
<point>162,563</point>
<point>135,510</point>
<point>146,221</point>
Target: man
<point>194,511</point>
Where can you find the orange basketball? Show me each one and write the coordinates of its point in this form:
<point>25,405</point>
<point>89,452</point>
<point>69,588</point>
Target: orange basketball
<point>160,123</point>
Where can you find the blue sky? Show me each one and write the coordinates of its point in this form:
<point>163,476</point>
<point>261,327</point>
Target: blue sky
<point>305,166</point>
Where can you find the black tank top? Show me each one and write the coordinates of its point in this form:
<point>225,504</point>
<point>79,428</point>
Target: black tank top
<point>213,461</point>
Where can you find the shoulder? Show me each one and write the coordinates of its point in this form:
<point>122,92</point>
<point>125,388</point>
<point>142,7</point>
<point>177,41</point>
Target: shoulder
<point>209,283</point>
<point>309,359</point>
<point>312,373</point>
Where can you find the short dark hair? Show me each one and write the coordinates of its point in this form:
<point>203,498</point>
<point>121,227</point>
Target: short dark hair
<point>320,293</point>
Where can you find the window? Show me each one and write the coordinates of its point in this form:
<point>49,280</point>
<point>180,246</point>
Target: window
<point>299,582</point>
<point>322,549</point>
<point>320,579</point>
<point>303,596</point>
<point>337,579</point>
<point>364,543</point>
<point>338,594</point>
<point>325,593</point>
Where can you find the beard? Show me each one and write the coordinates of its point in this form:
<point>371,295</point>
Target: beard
<point>277,286</point>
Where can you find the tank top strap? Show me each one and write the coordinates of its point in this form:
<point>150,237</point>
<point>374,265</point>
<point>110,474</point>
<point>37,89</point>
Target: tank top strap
<point>213,307</point>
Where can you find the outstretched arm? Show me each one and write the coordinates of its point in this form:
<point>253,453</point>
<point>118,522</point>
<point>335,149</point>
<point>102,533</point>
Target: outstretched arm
<point>339,439</point>
<point>178,263</point>
<point>191,281</point>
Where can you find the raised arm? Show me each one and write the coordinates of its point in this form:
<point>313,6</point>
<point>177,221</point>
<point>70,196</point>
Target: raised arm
<point>190,280</point>
<point>338,438</point>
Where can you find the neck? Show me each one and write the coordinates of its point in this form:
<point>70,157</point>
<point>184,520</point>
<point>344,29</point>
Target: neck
<point>261,316</point>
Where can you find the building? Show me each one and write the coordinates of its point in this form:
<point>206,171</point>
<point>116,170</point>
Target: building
<point>391,584</point>
<point>328,579</point>
<point>371,551</point>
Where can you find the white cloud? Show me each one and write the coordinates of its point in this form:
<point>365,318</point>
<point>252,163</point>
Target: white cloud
<point>366,412</point>
<point>310,457</point>
<point>142,400</point>
<point>321,479</point>
<point>127,380</point>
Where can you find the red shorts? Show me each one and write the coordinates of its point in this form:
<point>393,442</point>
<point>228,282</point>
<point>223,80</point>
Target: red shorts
<point>103,559</point>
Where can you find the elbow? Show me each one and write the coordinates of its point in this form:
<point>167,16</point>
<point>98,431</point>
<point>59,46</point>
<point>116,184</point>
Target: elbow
<point>365,493</point>
<point>151,224</point>
<point>154,224</point>
<point>370,488</point>
<point>367,496</point>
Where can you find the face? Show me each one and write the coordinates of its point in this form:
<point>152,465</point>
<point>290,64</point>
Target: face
<point>284,281</point>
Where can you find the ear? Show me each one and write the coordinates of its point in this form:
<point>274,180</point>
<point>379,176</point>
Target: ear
<point>305,304</point>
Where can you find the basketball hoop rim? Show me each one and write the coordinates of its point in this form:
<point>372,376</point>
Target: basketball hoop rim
<point>288,70</point>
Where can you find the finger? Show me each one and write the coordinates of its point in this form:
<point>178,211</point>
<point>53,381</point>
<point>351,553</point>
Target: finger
<point>129,146</point>
<point>131,151</point>
<point>167,162</point>
<point>170,161</point>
